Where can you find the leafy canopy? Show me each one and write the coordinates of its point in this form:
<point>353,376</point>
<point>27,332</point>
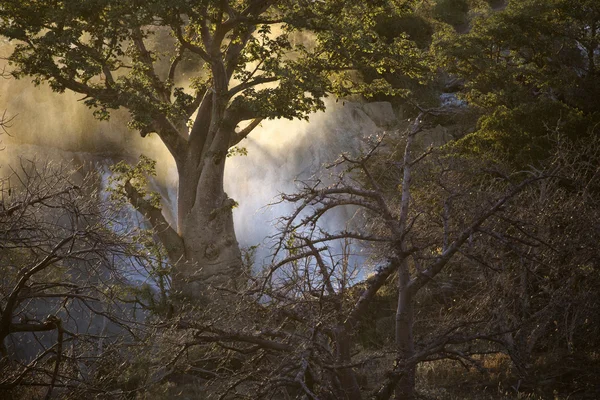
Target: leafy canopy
<point>529,69</point>
<point>158,59</point>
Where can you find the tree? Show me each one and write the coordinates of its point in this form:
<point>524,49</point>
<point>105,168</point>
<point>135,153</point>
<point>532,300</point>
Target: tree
<point>547,259</point>
<point>419,230</point>
<point>246,65</point>
<point>415,217</point>
<point>65,297</point>
<point>527,68</point>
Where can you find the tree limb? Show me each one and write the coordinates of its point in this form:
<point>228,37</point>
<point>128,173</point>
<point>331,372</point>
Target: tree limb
<point>168,236</point>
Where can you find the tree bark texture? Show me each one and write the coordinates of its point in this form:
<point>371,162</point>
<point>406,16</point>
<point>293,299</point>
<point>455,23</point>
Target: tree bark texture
<point>211,254</point>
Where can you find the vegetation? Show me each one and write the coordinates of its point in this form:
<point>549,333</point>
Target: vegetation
<point>477,254</point>
<point>65,296</point>
<point>222,67</point>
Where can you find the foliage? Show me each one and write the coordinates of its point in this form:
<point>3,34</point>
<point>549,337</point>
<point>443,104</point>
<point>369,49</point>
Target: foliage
<point>137,176</point>
<point>101,52</point>
<point>527,69</point>
<point>453,12</point>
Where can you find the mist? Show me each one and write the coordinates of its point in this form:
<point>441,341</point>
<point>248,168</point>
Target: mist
<point>47,126</point>
<point>283,153</point>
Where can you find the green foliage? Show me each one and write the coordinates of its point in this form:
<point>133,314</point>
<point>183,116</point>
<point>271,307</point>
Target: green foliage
<point>237,151</point>
<point>136,176</point>
<point>453,12</point>
<point>417,28</point>
<point>98,48</point>
<point>527,70</point>
<point>360,36</point>
<point>514,136</point>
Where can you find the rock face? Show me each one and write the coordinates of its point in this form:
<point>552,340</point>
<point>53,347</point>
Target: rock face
<point>381,113</point>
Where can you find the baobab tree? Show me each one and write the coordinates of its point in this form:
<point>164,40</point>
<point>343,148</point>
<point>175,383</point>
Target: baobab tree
<point>245,66</point>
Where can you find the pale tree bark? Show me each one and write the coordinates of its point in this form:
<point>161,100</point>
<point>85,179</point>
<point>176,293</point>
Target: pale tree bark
<point>205,224</point>
<point>405,346</point>
<point>203,246</point>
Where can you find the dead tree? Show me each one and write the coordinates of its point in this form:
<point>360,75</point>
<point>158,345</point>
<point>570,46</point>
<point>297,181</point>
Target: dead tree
<point>64,289</point>
<point>293,333</point>
<point>415,241</point>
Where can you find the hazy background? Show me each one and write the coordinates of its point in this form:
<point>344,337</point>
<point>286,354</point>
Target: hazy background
<point>58,127</point>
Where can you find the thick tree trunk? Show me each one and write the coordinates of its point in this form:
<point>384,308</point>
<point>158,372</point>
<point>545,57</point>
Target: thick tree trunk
<point>212,256</point>
<point>405,347</point>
